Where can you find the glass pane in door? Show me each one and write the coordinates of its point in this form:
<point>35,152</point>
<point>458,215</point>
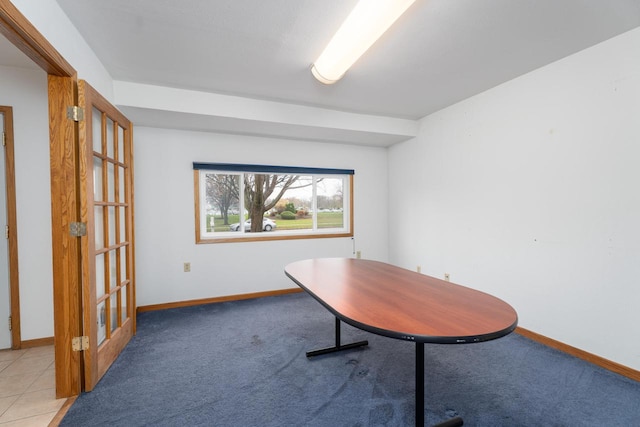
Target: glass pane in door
<point>123,264</point>
<point>110,140</point>
<point>102,322</point>
<point>123,232</point>
<point>96,126</point>
<point>98,217</point>
<point>114,311</point>
<point>111,189</point>
<point>121,183</point>
<point>100,288</point>
<point>113,276</point>
<point>125,294</point>
<point>120,154</point>
<point>97,179</point>
<point>112,225</point>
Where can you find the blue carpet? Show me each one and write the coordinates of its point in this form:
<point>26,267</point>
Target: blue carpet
<point>243,364</point>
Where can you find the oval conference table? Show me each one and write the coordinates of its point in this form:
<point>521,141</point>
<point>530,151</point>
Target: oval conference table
<point>402,304</point>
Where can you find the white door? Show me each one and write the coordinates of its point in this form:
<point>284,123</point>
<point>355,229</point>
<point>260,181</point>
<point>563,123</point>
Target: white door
<point>5,311</point>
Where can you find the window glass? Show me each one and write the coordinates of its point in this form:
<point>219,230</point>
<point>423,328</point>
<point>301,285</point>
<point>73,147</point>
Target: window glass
<point>290,204</point>
<point>248,205</point>
<point>222,202</point>
<point>330,202</point>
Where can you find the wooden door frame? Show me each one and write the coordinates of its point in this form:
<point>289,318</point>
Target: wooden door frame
<point>63,137</point>
<point>10,183</point>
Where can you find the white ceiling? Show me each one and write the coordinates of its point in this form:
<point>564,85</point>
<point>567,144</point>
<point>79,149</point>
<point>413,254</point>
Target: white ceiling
<point>438,53</point>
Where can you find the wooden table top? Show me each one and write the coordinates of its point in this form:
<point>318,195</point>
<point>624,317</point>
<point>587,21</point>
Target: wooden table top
<point>398,303</point>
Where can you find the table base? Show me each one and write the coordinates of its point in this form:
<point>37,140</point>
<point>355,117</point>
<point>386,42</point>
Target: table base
<point>453,422</point>
<point>338,346</point>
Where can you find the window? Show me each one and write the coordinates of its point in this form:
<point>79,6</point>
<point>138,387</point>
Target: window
<point>258,202</point>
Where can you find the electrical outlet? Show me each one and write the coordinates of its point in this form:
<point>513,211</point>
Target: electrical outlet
<point>358,254</point>
<point>419,269</point>
<point>446,277</point>
<point>187,267</point>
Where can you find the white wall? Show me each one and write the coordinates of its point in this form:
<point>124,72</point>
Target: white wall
<point>530,191</point>
<point>165,224</point>
<point>55,26</point>
<point>26,91</point>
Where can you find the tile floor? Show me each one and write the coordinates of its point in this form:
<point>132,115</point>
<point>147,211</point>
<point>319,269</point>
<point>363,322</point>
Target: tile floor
<point>27,387</point>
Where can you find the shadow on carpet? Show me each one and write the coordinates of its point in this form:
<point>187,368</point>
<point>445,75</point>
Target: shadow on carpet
<point>243,364</point>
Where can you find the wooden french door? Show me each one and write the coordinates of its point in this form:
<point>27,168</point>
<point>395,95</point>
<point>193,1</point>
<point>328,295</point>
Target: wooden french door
<point>106,207</point>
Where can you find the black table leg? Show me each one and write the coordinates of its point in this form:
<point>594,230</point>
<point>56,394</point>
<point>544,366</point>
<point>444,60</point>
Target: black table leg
<point>338,346</point>
<point>419,384</point>
<point>453,422</point>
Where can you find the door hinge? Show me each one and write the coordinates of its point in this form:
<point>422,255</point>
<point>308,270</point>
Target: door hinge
<point>10,327</point>
<point>78,229</point>
<point>6,231</point>
<point>80,343</point>
<point>4,139</point>
<point>75,113</point>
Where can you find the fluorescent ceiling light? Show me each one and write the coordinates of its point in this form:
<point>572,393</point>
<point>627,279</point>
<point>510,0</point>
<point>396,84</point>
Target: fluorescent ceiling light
<point>364,25</point>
